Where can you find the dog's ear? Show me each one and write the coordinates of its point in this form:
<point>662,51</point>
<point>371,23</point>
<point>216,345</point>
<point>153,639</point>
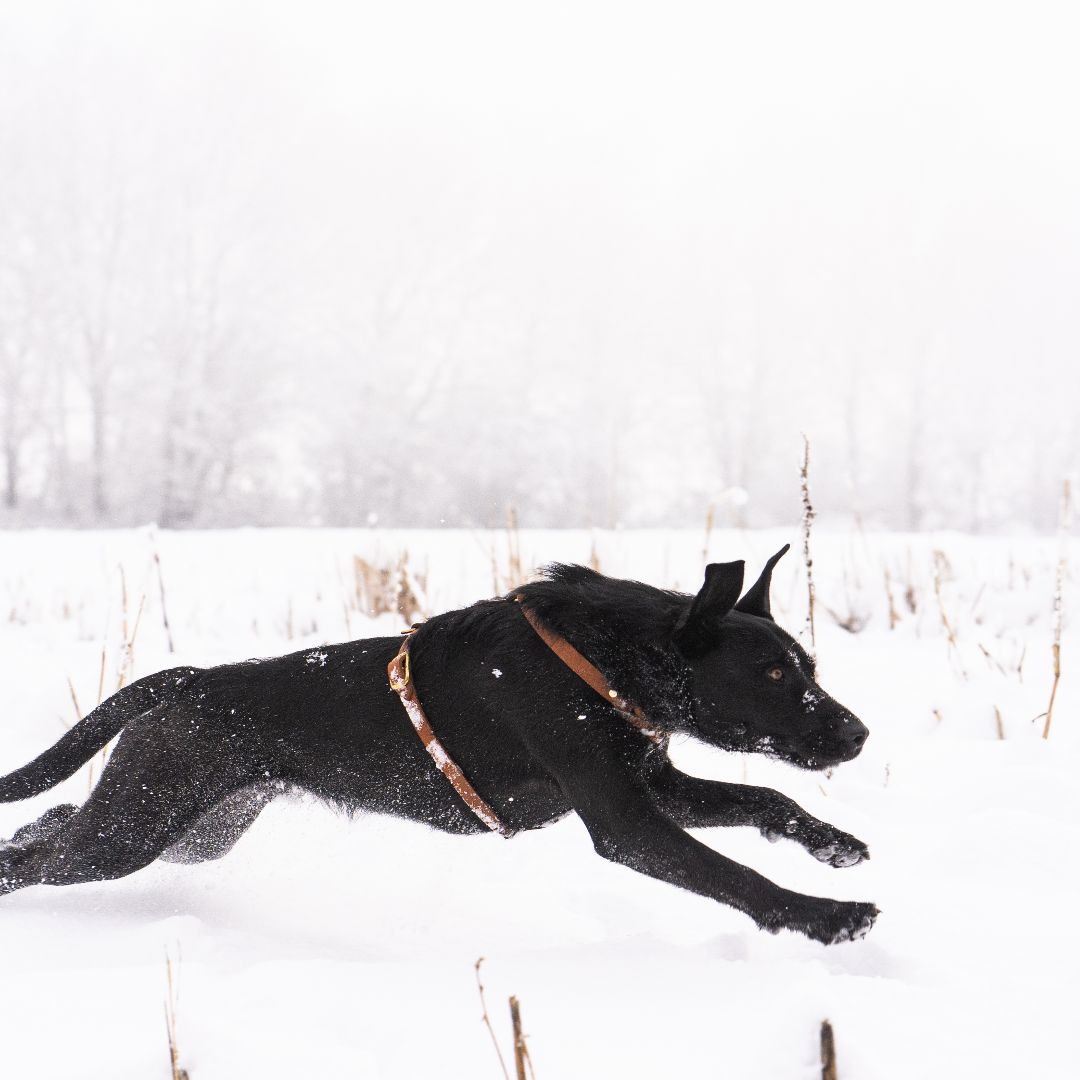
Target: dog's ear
<point>698,629</point>
<point>756,600</point>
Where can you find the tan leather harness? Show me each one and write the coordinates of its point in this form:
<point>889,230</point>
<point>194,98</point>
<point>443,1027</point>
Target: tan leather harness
<point>401,682</point>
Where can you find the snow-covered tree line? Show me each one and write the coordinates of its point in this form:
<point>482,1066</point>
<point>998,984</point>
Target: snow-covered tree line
<point>240,284</point>
<point>163,358</point>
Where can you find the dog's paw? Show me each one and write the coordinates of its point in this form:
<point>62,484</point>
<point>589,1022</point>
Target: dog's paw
<point>827,921</point>
<point>841,849</point>
<point>845,921</point>
<point>858,921</point>
<point>826,843</point>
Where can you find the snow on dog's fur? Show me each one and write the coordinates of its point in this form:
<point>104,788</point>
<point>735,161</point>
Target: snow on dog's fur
<point>202,751</point>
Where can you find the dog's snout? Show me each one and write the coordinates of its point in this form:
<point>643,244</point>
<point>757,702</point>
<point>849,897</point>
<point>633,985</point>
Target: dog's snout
<point>855,733</point>
<point>849,728</point>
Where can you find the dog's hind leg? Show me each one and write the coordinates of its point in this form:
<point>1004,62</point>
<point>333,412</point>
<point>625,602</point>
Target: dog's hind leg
<point>216,833</point>
<point>161,779</point>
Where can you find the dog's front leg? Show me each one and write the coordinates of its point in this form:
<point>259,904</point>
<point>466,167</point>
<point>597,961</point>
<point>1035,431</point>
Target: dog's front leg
<point>628,829</point>
<point>696,803</point>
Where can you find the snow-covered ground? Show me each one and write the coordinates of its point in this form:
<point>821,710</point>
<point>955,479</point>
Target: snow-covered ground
<point>323,947</point>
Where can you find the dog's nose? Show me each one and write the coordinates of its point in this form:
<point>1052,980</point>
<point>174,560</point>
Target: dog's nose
<point>855,733</point>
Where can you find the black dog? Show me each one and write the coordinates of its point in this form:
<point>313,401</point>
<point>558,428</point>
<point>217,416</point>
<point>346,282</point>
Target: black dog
<point>203,751</point>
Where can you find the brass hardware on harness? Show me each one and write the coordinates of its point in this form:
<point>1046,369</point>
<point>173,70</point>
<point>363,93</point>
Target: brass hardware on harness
<point>401,683</point>
<point>399,673</point>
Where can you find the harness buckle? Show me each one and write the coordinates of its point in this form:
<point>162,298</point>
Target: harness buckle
<point>399,671</point>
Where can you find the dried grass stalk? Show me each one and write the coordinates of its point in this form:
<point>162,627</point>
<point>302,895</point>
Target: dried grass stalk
<point>487,1019</point>
<point>514,569</point>
<point>1059,586</point>
<point>74,699</point>
<point>710,518</point>
<point>807,521</point>
<point>393,587</point>
<point>941,566</point>
<point>521,1049</point>
<point>828,1052</point>
<point>894,615</point>
<point>101,674</point>
<point>164,609</point>
<point>127,648</point>
<point>171,997</point>
<point>594,556</point>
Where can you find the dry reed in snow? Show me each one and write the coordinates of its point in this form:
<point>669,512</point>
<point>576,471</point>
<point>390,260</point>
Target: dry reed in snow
<point>1059,585</point>
<point>171,997</point>
<point>487,1019</point>
<point>828,1052</point>
<point>807,521</point>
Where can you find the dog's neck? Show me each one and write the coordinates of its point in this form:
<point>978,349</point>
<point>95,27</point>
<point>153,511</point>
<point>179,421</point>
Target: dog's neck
<point>624,629</point>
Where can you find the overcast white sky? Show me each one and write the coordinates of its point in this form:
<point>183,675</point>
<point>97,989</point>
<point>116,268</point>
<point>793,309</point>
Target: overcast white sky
<point>782,209</point>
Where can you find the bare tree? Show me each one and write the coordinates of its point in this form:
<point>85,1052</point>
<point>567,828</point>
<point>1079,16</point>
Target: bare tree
<point>92,242</point>
<point>20,371</point>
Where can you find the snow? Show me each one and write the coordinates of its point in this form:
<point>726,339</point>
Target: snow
<point>327,947</point>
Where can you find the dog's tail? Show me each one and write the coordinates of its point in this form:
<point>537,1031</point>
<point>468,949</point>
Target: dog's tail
<point>93,732</point>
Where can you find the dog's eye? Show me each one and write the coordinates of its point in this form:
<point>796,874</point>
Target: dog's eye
<point>775,673</point>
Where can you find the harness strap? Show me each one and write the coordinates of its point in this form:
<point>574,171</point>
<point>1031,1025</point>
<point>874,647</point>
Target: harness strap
<point>401,682</point>
<point>591,675</point>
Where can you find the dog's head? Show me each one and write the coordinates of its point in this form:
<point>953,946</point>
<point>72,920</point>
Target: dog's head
<point>753,685</point>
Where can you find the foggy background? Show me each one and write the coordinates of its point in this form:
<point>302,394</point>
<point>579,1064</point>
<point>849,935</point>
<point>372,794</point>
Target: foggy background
<point>413,264</point>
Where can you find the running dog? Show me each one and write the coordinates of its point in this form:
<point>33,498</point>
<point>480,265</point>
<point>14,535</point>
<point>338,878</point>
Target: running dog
<point>559,698</point>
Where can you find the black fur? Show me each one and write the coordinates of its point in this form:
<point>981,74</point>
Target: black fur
<point>202,751</point>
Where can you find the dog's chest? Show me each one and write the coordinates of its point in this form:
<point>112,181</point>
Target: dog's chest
<point>533,803</point>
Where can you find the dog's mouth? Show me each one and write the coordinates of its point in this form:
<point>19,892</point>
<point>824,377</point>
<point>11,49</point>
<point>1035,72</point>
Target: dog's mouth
<point>776,747</point>
<point>816,763</point>
<point>771,747</point>
<point>813,758</point>
<point>821,750</point>
<point>808,762</point>
<point>822,757</point>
